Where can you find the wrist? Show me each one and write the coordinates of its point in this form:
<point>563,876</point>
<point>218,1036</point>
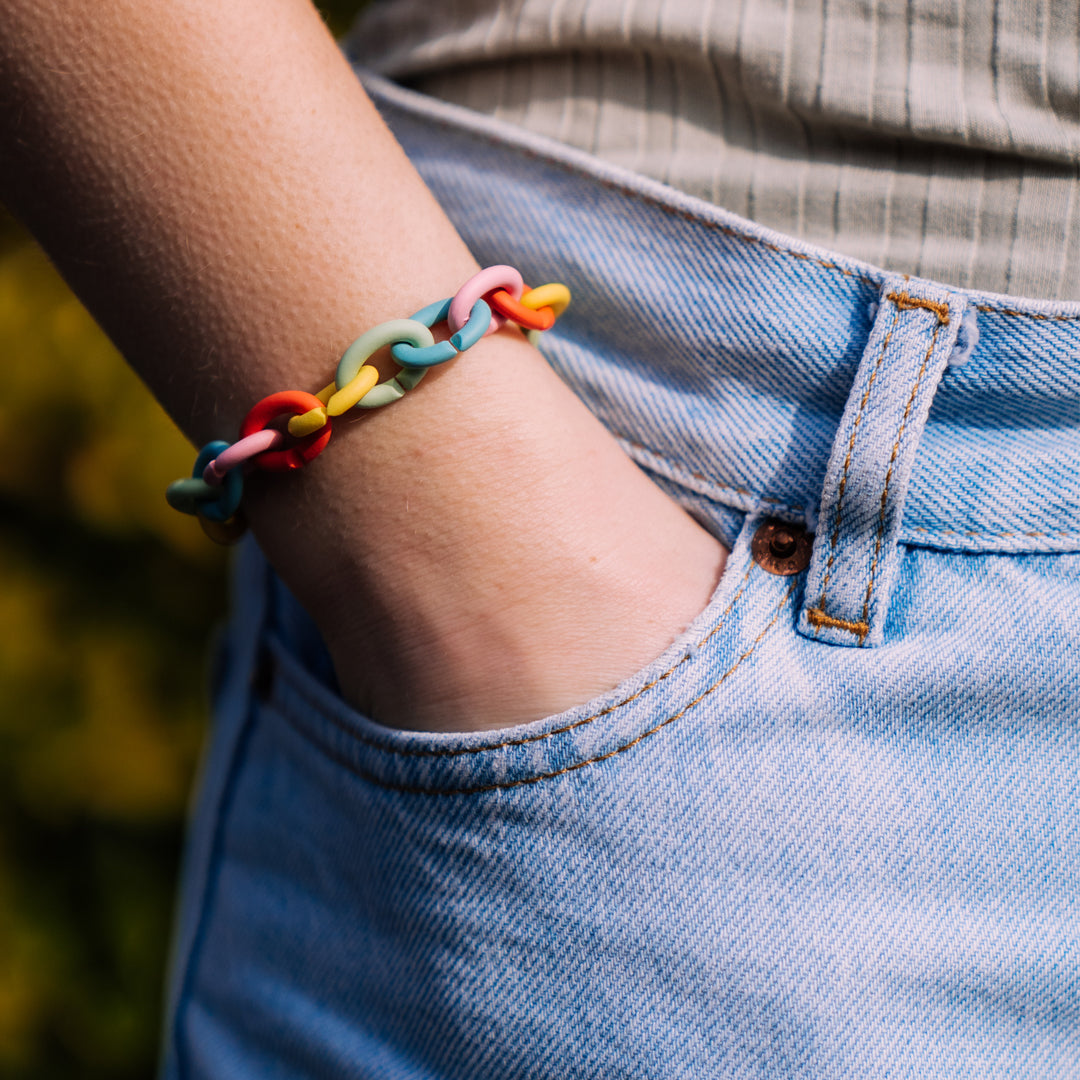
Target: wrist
<point>467,568</point>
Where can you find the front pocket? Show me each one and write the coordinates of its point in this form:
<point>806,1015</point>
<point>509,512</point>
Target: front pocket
<point>744,606</point>
<point>536,901</point>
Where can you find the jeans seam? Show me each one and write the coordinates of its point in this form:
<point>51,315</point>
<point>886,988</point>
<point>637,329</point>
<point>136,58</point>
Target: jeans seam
<point>818,616</point>
<point>409,789</point>
<point>1038,316</point>
<point>1034,533</point>
<point>214,861</point>
<point>506,744</point>
<point>943,320</point>
<point>800,510</point>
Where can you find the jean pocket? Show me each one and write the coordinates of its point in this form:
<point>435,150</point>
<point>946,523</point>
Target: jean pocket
<point>479,902</point>
<point>696,666</point>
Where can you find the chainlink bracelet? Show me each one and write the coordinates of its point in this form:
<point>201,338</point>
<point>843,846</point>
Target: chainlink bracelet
<point>482,305</point>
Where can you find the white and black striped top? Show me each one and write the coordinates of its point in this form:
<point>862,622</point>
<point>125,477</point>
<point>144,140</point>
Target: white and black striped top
<point>932,137</point>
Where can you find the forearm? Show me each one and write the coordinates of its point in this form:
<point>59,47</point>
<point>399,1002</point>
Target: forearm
<point>216,186</point>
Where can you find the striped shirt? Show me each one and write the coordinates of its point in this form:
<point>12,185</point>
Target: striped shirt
<point>931,137</point>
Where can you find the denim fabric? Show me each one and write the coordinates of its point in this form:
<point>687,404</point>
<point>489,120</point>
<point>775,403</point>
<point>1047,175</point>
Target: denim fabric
<point>763,855</point>
<point>856,556</point>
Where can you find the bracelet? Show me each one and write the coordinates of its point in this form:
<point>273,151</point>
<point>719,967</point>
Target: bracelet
<point>486,302</point>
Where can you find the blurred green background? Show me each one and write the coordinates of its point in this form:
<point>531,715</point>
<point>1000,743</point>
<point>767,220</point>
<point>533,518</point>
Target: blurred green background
<point>107,601</point>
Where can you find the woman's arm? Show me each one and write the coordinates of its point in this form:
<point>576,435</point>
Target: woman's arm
<point>215,185</point>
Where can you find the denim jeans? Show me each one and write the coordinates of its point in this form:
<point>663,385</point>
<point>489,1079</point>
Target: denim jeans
<point>833,832</point>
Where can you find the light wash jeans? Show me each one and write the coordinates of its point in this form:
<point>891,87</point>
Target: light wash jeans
<point>833,832</point>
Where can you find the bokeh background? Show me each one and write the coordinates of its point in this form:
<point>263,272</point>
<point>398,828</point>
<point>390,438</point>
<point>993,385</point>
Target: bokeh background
<point>108,601</point>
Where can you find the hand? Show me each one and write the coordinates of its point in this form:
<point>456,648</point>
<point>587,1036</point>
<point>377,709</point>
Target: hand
<point>497,558</point>
<point>215,185</point>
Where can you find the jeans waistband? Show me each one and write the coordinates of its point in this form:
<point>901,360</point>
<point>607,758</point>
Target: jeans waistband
<point>722,354</point>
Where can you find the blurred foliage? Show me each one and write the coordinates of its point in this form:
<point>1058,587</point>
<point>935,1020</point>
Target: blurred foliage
<point>338,14</point>
<point>107,601</point>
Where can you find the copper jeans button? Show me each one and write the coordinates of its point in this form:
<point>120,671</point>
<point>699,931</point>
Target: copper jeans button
<point>782,548</point>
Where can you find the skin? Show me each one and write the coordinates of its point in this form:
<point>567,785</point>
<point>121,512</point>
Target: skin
<point>214,184</point>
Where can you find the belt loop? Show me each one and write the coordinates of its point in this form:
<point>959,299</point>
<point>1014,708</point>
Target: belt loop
<point>855,559</point>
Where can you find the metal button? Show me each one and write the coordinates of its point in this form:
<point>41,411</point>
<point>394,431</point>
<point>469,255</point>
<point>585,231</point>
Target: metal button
<point>780,547</point>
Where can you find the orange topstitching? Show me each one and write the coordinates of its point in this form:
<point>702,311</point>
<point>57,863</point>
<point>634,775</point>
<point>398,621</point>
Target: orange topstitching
<point>835,538</point>
<point>540,736</point>
<point>906,303</point>
<point>816,617</point>
<point>525,781</point>
<point>942,320</point>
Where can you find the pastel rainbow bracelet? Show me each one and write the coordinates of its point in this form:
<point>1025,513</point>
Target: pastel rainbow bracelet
<point>482,305</point>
